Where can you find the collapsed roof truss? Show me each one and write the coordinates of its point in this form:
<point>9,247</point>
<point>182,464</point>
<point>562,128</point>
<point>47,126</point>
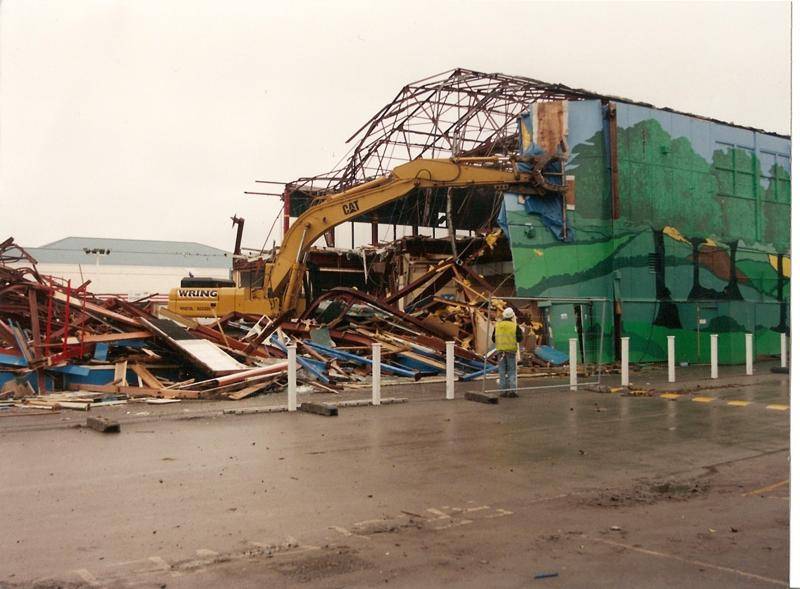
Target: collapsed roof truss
<point>459,112</point>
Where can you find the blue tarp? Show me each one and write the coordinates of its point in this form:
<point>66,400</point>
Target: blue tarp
<point>502,218</point>
<point>548,354</point>
<point>549,208</point>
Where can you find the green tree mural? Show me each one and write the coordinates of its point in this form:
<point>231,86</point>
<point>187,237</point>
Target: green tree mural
<point>704,205</point>
<point>776,208</point>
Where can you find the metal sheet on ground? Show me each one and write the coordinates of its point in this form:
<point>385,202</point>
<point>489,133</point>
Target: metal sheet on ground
<point>210,355</point>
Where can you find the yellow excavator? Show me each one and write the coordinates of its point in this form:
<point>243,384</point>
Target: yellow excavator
<point>283,275</point>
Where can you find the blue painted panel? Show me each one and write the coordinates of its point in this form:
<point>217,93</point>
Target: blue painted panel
<point>101,351</point>
<point>71,369</point>
<point>13,360</point>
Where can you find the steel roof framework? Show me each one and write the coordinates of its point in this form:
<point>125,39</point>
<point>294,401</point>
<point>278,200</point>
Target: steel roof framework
<point>458,112</point>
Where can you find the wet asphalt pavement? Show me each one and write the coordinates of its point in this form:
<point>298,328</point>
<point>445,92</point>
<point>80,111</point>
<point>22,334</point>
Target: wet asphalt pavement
<point>593,489</point>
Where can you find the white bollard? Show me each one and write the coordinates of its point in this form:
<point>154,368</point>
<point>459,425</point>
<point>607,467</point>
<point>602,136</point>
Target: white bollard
<point>783,351</point>
<point>748,354</point>
<point>450,380</point>
<point>376,374</point>
<point>670,358</point>
<point>573,364</point>
<point>292,357</point>
<point>714,367</point>
<point>624,380</point>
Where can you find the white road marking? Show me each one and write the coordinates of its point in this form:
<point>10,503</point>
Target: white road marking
<point>500,513</point>
<point>692,561</point>
<point>343,531</point>
<point>87,576</point>
<point>440,514</point>
<point>453,524</point>
<point>160,563</point>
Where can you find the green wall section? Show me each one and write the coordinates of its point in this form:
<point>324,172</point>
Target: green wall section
<point>702,229</point>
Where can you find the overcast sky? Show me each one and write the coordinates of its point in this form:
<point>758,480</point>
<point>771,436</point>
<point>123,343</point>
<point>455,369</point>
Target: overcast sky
<point>149,119</point>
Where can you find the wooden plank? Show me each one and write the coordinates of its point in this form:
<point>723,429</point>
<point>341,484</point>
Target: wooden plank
<point>185,321</point>
<point>551,124</point>
<point>115,337</point>
<point>163,393</point>
<point>265,379</point>
<point>322,387</point>
<point>135,392</point>
<point>45,407</point>
<point>182,383</point>
<point>246,392</point>
<point>311,351</point>
<point>121,373</point>
<point>147,377</point>
<point>110,403</point>
<point>77,406</point>
<point>435,364</point>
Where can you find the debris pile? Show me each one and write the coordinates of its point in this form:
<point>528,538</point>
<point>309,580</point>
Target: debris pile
<point>63,347</point>
<point>56,337</point>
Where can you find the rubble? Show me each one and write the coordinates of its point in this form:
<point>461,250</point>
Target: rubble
<point>61,347</point>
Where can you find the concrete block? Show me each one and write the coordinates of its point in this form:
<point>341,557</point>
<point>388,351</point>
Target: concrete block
<point>325,409</point>
<point>482,398</point>
<point>103,425</point>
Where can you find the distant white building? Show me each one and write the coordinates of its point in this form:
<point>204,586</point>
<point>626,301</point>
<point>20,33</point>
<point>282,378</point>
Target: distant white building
<point>129,267</point>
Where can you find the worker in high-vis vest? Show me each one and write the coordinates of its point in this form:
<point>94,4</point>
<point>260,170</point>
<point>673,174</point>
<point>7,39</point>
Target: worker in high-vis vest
<point>507,335</point>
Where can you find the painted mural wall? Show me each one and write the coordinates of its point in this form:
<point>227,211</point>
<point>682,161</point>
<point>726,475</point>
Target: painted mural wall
<point>696,241</point>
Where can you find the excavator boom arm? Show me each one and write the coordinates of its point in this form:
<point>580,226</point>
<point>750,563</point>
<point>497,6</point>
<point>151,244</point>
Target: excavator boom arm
<point>289,264</point>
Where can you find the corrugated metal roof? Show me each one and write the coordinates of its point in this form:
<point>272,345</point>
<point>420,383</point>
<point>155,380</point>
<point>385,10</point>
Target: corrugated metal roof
<point>131,252</point>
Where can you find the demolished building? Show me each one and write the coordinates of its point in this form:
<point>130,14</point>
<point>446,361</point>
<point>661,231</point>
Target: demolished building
<point>667,223</point>
<point>594,218</point>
